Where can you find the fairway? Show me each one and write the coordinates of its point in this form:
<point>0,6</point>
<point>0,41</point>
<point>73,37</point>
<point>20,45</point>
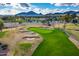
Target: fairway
<point>55,43</point>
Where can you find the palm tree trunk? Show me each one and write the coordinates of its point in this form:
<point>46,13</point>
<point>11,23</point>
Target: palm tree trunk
<point>53,24</point>
<point>64,27</point>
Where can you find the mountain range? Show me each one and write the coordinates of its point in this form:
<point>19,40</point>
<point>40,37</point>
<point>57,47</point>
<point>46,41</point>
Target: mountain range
<point>67,12</point>
<point>30,13</point>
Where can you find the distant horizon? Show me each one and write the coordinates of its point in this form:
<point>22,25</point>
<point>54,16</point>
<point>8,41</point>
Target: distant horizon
<point>43,8</point>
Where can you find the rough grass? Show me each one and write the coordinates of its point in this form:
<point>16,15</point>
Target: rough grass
<point>55,43</point>
<point>73,31</point>
<point>72,26</point>
<point>24,46</point>
<point>2,34</point>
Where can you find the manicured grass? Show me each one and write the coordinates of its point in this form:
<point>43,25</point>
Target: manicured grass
<point>2,34</point>
<point>55,43</point>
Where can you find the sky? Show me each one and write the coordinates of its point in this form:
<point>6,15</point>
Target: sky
<point>44,8</point>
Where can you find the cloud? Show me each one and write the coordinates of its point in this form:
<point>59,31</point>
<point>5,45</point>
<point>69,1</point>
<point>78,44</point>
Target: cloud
<point>42,10</point>
<point>46,10</point>
<point>8,11</point>
<point>24,5</point>
<point>13,8</point>
<point>65,4</point>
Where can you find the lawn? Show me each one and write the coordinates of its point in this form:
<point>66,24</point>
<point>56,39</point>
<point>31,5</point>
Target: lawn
<point>55,43</point>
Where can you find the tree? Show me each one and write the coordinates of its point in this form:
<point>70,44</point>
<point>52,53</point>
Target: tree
<point>20,20</point>
<point>43,21</point>
<point>73,16</point>
<point>55,19</point>
<point>11,19</point>
<point>66,18</point>
<point>1,24</point>
<point>49,20</point>
<point>75,21</point>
